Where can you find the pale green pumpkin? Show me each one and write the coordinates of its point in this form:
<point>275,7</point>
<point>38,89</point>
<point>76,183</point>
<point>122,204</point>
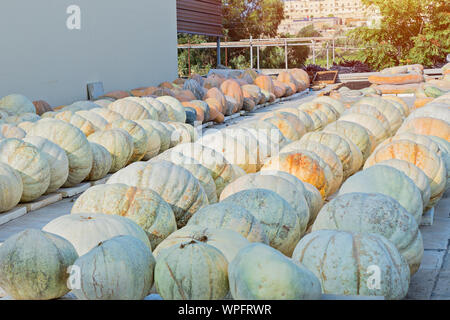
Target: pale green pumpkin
<point>175,109</point>
<point>349,263</point>
<point>279,219</point>
<point>375,213</point>
<point>176,185</point>
<point>11,187</point>
<point>33,265</point>
<point>191,271</point>
<point>86,230</point>
<point>118,269</point>
<point>56,158</point>
<point>30,163</point>
<point>388,181</point>
<point>228,242</point>
<point>119,144</point>
<point>143,206</point>
<point>229,216</point>
<point>16,104</point>
<point>72,141</point>
<point>101,163</point>
<point>260,272</point>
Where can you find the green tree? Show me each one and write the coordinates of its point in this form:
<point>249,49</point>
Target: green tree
<point>410,31</point>
<point>256,18</point>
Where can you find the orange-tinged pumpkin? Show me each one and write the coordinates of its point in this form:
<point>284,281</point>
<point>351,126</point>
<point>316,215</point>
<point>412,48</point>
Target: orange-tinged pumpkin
<point>233,89</point>
<point>427,126</point>
<point>265,83</point>
<point>301,75</point>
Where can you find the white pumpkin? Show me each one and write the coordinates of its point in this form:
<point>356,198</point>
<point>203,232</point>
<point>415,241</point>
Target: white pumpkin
<point>344,263</point>
<point>11,187</point>
<point>176,185</point>
<point>56,158</point>
<point>86,231</point>
<point>143,206</point>
<point>16,104</point>
<point>30,163</point>
<point>101,163</point>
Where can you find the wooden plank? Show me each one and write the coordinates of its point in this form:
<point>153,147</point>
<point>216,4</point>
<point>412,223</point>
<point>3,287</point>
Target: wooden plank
<point>13,214</point>
<point>42,202</point>
<point>71,192</point>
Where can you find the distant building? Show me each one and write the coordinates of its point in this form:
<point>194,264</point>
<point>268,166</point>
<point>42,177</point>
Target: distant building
<point>323,13</point>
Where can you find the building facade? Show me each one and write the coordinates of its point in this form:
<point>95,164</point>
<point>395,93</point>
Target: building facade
<point>300,13</point>
<point>51,49</point>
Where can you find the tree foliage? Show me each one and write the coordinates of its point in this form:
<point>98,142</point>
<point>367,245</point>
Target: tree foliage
<point>410,31</point>
<point>256,18</point>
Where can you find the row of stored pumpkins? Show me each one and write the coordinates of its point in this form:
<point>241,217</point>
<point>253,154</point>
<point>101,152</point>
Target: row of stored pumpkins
<point>216,96</point>
<point>375,224</point>
<point>81,142</point>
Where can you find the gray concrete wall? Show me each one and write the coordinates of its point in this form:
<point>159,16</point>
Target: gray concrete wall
<point>123,43</point>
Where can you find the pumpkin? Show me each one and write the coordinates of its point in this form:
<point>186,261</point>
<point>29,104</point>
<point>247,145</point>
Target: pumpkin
<point>371,124</point>
<point>120,268</point>
<point>153,138</point>
<point>301,75</point>
<point>318,117</point>
<point>444,152</point>
<point>338,145</point>
<point>220,169</point>
<point>101,163</point>
<point>415,174</point>
<point>376,214</point>
<point>277,184</point>
<point>86,127</point>
<point>145,207</point>
<point>137,133</point>
<point>301,165</point>
<point>176,185</point>
<point>233,89</point>
<point>216,94</point>
<point>15,120</point>
<point>417,138</point>
<point>108,115</point>
<point>253,92</point>
<point>310,107</point>
<point>399,103</point>
<point>160,107</point>
<point>337,105</point>
<point>234,150</point>
<point>187,129</point>
<point>215,110</point>
<point>301,115</point>
<point>195,87</point>
<point>388,109</point>
<point>104,103</point>
<point>431,111</point>
<point>199,171</point>
<point>56,158</point>
<point>163,132</point>
<point>421,156</point>
<point>293,121</point>
<point>97,120</point>
<point>265,83</point>
<point>326,154</point>
<point>184,95</point>
<point>130,109</point>
<point>279,219</point>
<point>175,110</point>
<point>370,111</point>
<point>11,131</point>
<point>72,141</point>
<point>315,201</point>
<point>201,276</point>
<point>178,134</point>
<point>16,104</point>
<point>118,143</point>
<point>33,265</point>
<point>396,78</point>
<point>253,140</point>
<point>147,104</point>
<point>86,230</point>
<point>390,182</point>
<point>427,126</point>
<point>82,105</point>
<point>354,132</point>
<point>11,187</point>
<point>267,134</point>
<point>25,126</point>
<point>344,263</point>
<point>42,107</point>
<point>261,273</point>
<point>31,165</point>
<point>288,79</point>
<point>227,241</point>
<point>229,216</point>
<point>286,128</point>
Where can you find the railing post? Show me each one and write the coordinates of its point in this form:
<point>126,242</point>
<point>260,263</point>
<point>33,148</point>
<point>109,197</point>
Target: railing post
<point>218,52</point>
<point>328,56</point>
<point>286,54</point>
<point>314,51</point>
<point>251,53</point>
<point>189,57</point>
<point>257,56</point>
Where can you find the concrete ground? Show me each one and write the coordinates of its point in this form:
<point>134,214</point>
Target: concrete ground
<point>432,281</point>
